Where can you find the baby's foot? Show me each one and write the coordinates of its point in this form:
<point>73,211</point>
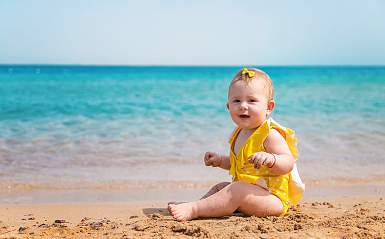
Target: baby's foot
<point>183,211</point>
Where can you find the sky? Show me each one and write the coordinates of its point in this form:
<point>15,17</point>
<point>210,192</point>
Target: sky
<point>193,32</point>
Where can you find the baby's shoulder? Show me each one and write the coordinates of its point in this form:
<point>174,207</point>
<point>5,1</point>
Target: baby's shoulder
<point>274,136</point>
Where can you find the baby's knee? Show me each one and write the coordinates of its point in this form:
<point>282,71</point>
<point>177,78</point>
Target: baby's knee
<point>239,188</point>
<point>239,184</point>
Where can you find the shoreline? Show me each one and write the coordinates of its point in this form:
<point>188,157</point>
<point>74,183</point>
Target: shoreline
<point>36,196</point>
<point>338,217</point>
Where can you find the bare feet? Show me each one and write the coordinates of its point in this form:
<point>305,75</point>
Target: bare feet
<point>183,211</point>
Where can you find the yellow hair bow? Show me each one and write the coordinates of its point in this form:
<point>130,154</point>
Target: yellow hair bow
<point>245,71</point>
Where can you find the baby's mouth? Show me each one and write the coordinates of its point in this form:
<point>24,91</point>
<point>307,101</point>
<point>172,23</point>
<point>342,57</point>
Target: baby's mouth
<point>244,116</point>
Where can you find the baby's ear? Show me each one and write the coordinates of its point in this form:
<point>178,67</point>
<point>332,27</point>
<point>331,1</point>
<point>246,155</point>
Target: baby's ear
<point>270,107</point>
<point>228,106</point>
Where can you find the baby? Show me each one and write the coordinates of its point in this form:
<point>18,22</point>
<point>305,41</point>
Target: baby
<point>262,158</point>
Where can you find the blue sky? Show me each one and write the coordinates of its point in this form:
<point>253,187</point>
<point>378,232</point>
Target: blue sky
<point>193,32</point>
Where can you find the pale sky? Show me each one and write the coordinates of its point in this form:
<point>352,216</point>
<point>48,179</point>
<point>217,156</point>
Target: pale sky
<point>193,32</point>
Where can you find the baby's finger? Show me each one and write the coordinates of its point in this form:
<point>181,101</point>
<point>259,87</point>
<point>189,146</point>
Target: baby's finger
<point>264,160</point>
<point>251,159</point>
<point>207,155</point>
<point>259,161</point>
<point>257,164</point>
<point>208,162</point>
<point>209,159</point>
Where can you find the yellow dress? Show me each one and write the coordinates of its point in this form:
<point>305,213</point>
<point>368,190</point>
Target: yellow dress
<point>289,187</point>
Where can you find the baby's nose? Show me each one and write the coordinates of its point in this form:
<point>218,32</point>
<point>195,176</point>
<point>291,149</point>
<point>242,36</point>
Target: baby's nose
<point>244,105</point>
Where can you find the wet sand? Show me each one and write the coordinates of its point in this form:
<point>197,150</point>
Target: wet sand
<point>339,217</point>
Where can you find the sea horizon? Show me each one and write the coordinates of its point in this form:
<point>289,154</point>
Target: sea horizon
<point>191,65</point>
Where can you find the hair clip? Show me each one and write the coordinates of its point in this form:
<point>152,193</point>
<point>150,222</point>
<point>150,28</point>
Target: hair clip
<point>250,73</point>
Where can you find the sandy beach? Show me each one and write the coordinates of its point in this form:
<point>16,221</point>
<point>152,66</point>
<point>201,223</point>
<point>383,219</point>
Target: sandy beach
<point>341,217</point>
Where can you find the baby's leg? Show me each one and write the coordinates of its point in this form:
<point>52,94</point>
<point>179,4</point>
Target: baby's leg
<point>250,199</point>
<point>215,189</point>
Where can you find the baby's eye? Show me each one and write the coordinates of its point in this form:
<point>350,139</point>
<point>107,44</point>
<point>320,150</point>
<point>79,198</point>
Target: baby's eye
<point>236,101</point>
<point>252,100</point>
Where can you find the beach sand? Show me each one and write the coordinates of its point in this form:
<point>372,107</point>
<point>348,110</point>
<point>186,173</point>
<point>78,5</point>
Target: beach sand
<point>340,217</point>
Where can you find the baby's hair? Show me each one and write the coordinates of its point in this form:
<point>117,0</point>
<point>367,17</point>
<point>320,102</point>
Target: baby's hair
<point>258,76</point>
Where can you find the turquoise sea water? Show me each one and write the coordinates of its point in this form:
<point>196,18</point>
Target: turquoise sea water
<point>136,126</point>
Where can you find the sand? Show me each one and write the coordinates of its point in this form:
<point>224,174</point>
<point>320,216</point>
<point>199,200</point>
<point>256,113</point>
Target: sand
<point>342,217</point>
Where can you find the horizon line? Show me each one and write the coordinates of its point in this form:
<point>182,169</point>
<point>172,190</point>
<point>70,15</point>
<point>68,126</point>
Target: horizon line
<point>193,65</point>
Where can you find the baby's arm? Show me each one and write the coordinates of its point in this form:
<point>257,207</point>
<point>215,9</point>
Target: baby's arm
<point>278,155</point>
<point>216,160</point>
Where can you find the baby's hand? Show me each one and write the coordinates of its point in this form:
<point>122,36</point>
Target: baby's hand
<point>262,158</point>
<point>212,159</point>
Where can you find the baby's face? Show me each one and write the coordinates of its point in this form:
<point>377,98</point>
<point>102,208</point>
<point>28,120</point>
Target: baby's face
<point>248,104</point>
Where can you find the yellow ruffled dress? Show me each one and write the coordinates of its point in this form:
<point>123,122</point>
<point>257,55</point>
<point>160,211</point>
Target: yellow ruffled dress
<point>289,187</point>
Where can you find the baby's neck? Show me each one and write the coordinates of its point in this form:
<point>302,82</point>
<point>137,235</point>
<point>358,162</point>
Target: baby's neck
<point>247,132</point>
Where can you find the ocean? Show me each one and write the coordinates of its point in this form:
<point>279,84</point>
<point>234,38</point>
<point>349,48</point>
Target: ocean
<point>132,127</point>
